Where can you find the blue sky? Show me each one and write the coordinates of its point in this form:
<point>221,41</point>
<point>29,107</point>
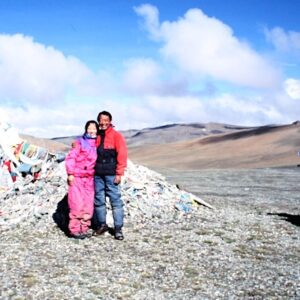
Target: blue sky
<point>148,63</point>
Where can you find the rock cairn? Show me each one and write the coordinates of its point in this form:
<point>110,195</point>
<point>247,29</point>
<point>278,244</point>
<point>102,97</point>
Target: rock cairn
<point>29,200</point>
<point>146,195</point>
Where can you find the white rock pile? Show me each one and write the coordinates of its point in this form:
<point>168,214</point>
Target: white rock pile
<point>146,195</point>
<point>29,200</point>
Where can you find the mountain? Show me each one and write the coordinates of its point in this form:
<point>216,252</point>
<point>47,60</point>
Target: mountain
<point>256,147</point>
<point>67,140</point>
<point>211,145</point>
<point>168,133</point>
<point>51,145</point>
<point>176,132</point>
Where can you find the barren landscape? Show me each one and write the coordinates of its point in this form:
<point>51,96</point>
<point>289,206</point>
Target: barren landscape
<point>247,247</point>
<point>206,94</point>
<point>199,146</point>
<point>261,147</point>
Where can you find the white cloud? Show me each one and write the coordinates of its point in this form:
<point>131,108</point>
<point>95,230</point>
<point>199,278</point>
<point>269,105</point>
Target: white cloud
<point>206,46</point>
<point>141,75</point>
<point>70,118</point>
<point>65,120</point>
<point>150,13</point>
<point>146,77</point>
<point>47,94</point>
<point>285,41</point>
<point>33,73</point>
<point>292,88</point>
<point>155,110</point>
<point>247,111</point>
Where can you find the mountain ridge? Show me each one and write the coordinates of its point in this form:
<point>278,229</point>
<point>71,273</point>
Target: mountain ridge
<point>207,145</point>
<point>259,147</point>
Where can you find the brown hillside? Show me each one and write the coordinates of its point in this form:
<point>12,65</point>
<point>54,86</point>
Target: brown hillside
<point>267,146</point>
<point>51,145</point>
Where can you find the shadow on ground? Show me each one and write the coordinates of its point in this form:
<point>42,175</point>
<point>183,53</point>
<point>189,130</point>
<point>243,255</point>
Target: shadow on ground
<point>293,219</point>
<point>62,219</point>
<point>61,215</point>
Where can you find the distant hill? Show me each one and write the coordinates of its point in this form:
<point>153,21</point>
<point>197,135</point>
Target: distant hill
<point>206,145</point>
<point>257,147</point>
<point>67,140</point>
<point>51,145</point>
<point>176,132</point>
<point>168,133</point>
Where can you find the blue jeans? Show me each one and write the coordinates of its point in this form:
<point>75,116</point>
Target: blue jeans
<point>105,186</point>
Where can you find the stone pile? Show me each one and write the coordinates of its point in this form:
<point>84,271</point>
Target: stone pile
<point>146,195</point>
<point>30,200</point>
<point>33,186</point>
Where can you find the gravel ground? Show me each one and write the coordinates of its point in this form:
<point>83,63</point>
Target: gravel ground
<point>246,248</point>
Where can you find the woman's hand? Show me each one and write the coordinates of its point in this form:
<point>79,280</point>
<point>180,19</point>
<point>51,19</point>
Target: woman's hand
<point>70,179</point>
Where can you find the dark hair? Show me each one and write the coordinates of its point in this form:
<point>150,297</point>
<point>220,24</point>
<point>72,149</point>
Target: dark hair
<point>88,123</point>
<point>105,113</point>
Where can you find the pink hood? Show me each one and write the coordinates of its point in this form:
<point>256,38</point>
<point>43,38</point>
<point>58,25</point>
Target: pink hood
<point>81,160</point>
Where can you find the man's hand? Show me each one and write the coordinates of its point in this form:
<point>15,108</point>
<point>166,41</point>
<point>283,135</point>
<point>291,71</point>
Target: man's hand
<point>117,179</point>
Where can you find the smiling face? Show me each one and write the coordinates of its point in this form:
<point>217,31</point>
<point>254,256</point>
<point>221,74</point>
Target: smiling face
<point>92,130</point>
<point>104,122</point>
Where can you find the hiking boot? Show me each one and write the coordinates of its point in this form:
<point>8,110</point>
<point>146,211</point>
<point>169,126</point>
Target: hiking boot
<point>102,229</point>
<point>119,234</point>
<point>78,236</point>
<point>87,234</point>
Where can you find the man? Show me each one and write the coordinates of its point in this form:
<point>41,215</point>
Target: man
<point>110,166</point>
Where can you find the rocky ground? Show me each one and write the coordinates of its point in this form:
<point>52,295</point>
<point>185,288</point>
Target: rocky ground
<point>246,248</point>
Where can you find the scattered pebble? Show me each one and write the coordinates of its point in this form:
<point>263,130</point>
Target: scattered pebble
<point>247,247</point>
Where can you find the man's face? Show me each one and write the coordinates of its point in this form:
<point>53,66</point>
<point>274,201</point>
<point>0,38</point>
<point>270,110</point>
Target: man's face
<point>104,122</point>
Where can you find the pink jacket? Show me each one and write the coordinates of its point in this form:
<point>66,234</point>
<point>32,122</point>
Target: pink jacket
<point>81,160</point>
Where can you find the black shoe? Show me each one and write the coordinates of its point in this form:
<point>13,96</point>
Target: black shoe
<point>102,229</point>
<point>119,234</point>
<point>78,236</point>
<point>87,234</point>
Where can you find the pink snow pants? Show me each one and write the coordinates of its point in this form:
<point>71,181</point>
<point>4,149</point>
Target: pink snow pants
<point>81,203</point>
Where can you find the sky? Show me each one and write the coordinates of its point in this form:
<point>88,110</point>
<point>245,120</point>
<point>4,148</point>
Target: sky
<point>149,63</point>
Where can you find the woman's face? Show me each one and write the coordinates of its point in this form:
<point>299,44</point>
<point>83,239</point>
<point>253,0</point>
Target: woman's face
<point>92,130</point>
